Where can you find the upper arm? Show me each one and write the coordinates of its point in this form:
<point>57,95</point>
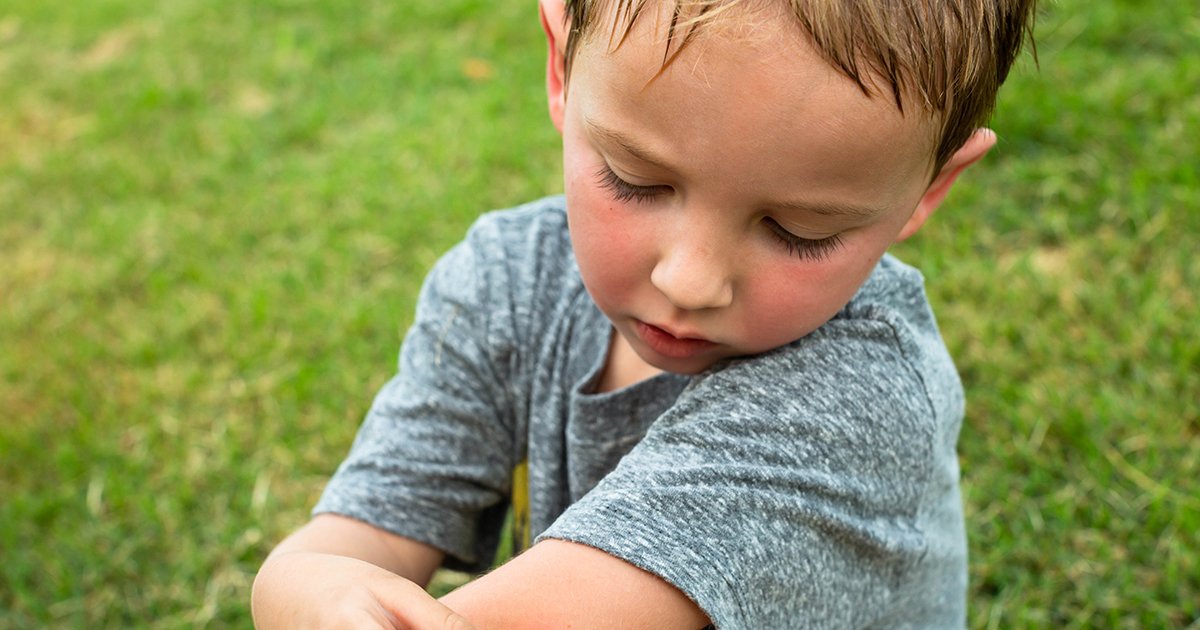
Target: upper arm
<point>794,507</point>
<point>433,458</point>
<point>560,584</point>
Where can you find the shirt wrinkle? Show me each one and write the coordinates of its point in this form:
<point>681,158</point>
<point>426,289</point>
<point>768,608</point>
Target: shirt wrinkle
<point>810,486</point>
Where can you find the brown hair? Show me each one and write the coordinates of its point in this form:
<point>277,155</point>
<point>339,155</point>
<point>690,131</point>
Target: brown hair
<point>950,55</point>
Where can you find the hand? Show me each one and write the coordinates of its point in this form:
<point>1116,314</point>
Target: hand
<point>314,590</point>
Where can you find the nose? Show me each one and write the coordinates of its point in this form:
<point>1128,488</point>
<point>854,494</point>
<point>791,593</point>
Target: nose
<point>692,277</point>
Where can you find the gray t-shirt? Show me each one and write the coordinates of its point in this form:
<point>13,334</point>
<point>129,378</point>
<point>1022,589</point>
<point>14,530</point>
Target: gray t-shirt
<point>812,486</point>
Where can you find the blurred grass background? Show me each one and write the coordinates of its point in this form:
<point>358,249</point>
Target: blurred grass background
<point>214,217</point>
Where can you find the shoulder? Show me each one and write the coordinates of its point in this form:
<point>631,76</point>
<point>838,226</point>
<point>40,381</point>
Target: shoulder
<point>515,264</point>
<point>846,403</point>
<point>891,310</point>
<point>894,296</point>
<point>868,405</point>
<point>512,267</point>
<point>525,263</point>
<point>525,251</point>
<point>532,231</point>
<point>882,351</point>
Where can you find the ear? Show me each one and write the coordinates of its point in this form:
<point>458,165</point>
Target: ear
<point>969,153</point>
<point>551,12</point>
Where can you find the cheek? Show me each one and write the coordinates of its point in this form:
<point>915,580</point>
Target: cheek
<point>607,243</point>
<point>789,304</point>
<point>781,311</point>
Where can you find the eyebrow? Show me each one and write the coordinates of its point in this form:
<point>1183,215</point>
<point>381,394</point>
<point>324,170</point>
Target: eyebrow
<point>626,144</point>
<point>643,154</point>
<point>829,209</point>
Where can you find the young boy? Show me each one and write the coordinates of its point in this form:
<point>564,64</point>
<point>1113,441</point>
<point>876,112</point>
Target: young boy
<point>706,393</point>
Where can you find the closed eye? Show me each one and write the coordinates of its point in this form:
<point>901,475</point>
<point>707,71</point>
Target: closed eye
<point>622,190</point>
<point>804,248</point>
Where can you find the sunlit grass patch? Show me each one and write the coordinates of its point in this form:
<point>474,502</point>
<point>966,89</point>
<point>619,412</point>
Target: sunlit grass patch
<point>214,218</point>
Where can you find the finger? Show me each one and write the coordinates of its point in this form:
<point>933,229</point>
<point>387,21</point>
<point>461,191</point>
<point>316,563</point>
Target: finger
<point>415,609</point>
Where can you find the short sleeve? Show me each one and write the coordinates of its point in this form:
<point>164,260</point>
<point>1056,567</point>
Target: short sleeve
<point>779,492</point>
<point>433,458</point>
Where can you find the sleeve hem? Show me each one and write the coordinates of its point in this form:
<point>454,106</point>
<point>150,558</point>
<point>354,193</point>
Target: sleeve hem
<point>649,548</point>
<point>422,522</point>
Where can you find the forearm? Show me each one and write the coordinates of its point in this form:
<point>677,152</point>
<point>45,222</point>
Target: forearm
<point>290,581</point>
<point>346,537</point>
<point>298,590</point>
<point>336,570</point>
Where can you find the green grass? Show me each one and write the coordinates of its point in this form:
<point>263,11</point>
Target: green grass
<point>214,217</point>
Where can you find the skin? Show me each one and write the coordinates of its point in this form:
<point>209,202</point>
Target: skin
<point>708,167</point>
<point>750,135</point>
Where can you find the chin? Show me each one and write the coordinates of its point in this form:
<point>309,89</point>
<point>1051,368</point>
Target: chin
<point>680,366</point>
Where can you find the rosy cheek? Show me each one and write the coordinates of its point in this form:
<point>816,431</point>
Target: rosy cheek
<point>607,249</point>
<point>781,314</point>
<point>612,244</point>
<point>792,301</point>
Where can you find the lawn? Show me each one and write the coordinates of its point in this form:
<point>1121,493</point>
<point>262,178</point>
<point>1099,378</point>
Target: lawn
<point>214,217</point>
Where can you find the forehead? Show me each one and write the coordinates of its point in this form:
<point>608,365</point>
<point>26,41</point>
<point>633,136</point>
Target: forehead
<point>748,75</point>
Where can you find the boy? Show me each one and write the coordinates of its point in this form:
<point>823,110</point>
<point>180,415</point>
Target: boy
<point>706,393</point>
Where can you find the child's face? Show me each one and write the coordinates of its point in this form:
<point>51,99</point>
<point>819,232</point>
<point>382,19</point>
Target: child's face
<point>737,202</point>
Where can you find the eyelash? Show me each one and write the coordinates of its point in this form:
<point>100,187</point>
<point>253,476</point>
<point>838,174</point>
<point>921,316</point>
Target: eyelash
<point>624,191</point>
<point>813,249</point>
<point>803,248</point>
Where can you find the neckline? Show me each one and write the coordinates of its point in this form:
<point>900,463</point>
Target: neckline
<point>586,387</point>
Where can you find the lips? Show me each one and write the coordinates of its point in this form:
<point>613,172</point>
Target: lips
<point>668,344</point>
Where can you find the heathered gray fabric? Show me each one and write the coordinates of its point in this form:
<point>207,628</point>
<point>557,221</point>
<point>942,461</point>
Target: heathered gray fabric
<point>814,486</point>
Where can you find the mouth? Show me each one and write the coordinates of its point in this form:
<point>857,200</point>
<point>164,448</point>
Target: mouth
<point>668,344</point>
